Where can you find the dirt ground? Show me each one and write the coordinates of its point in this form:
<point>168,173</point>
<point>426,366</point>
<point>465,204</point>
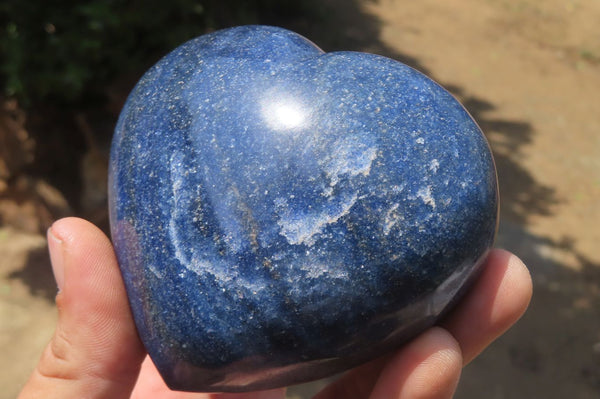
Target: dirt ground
<point>529,72</point>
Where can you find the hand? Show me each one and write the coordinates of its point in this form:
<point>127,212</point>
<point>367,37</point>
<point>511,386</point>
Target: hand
<point>95,352</point>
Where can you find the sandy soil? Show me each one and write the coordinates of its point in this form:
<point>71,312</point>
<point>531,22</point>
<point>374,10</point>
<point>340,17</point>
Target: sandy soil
<point>529,72</point>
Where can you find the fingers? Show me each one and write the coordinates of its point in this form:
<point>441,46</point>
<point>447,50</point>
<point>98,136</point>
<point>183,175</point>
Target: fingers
<point>498,299</point>
<point>95,351</point>
<point>271,394</point>
<point>426,368</point>
<point>151,385</point>
<point>356,383</point>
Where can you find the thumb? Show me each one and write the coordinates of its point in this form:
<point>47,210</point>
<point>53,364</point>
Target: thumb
<point>95,351</point>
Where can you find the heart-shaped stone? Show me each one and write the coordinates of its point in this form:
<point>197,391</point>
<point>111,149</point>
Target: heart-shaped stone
<point>281,214</point>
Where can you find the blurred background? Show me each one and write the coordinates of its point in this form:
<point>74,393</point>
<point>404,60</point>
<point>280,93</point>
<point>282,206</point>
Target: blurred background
<point>527,70</point>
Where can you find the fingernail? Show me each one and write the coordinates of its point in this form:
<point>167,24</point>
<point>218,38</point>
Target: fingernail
<point>56,258</point>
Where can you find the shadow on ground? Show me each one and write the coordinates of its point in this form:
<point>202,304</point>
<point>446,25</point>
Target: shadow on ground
<point>564,297</point>
<point>37,274</point>
<point>554,350</point>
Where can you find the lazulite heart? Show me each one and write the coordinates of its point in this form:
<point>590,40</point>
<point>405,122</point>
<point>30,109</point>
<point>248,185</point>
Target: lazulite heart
<point>281,214</point>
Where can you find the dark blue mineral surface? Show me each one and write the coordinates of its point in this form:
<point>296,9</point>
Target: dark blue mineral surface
<point>281,214</point>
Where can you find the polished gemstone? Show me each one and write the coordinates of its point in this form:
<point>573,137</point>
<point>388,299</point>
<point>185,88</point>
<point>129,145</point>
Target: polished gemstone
<point>281,214</point>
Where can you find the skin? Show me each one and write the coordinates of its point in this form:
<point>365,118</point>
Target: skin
<point>95,352</point>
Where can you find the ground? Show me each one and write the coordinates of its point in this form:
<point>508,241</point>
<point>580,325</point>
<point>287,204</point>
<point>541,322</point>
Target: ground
<point>528,71</point>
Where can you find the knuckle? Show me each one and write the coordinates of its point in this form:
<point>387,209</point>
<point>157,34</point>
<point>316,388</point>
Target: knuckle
<point>56,362</point>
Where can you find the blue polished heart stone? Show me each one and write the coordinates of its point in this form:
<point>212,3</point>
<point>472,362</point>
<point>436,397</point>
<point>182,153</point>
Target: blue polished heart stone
<point>281,214</point>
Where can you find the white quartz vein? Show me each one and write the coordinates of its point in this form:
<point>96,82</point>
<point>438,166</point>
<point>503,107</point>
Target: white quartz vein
<point>300,227</point>
<point>391,219</point>
<point>349,159</point>
<point>192,260</point>
<point>425,194</point>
